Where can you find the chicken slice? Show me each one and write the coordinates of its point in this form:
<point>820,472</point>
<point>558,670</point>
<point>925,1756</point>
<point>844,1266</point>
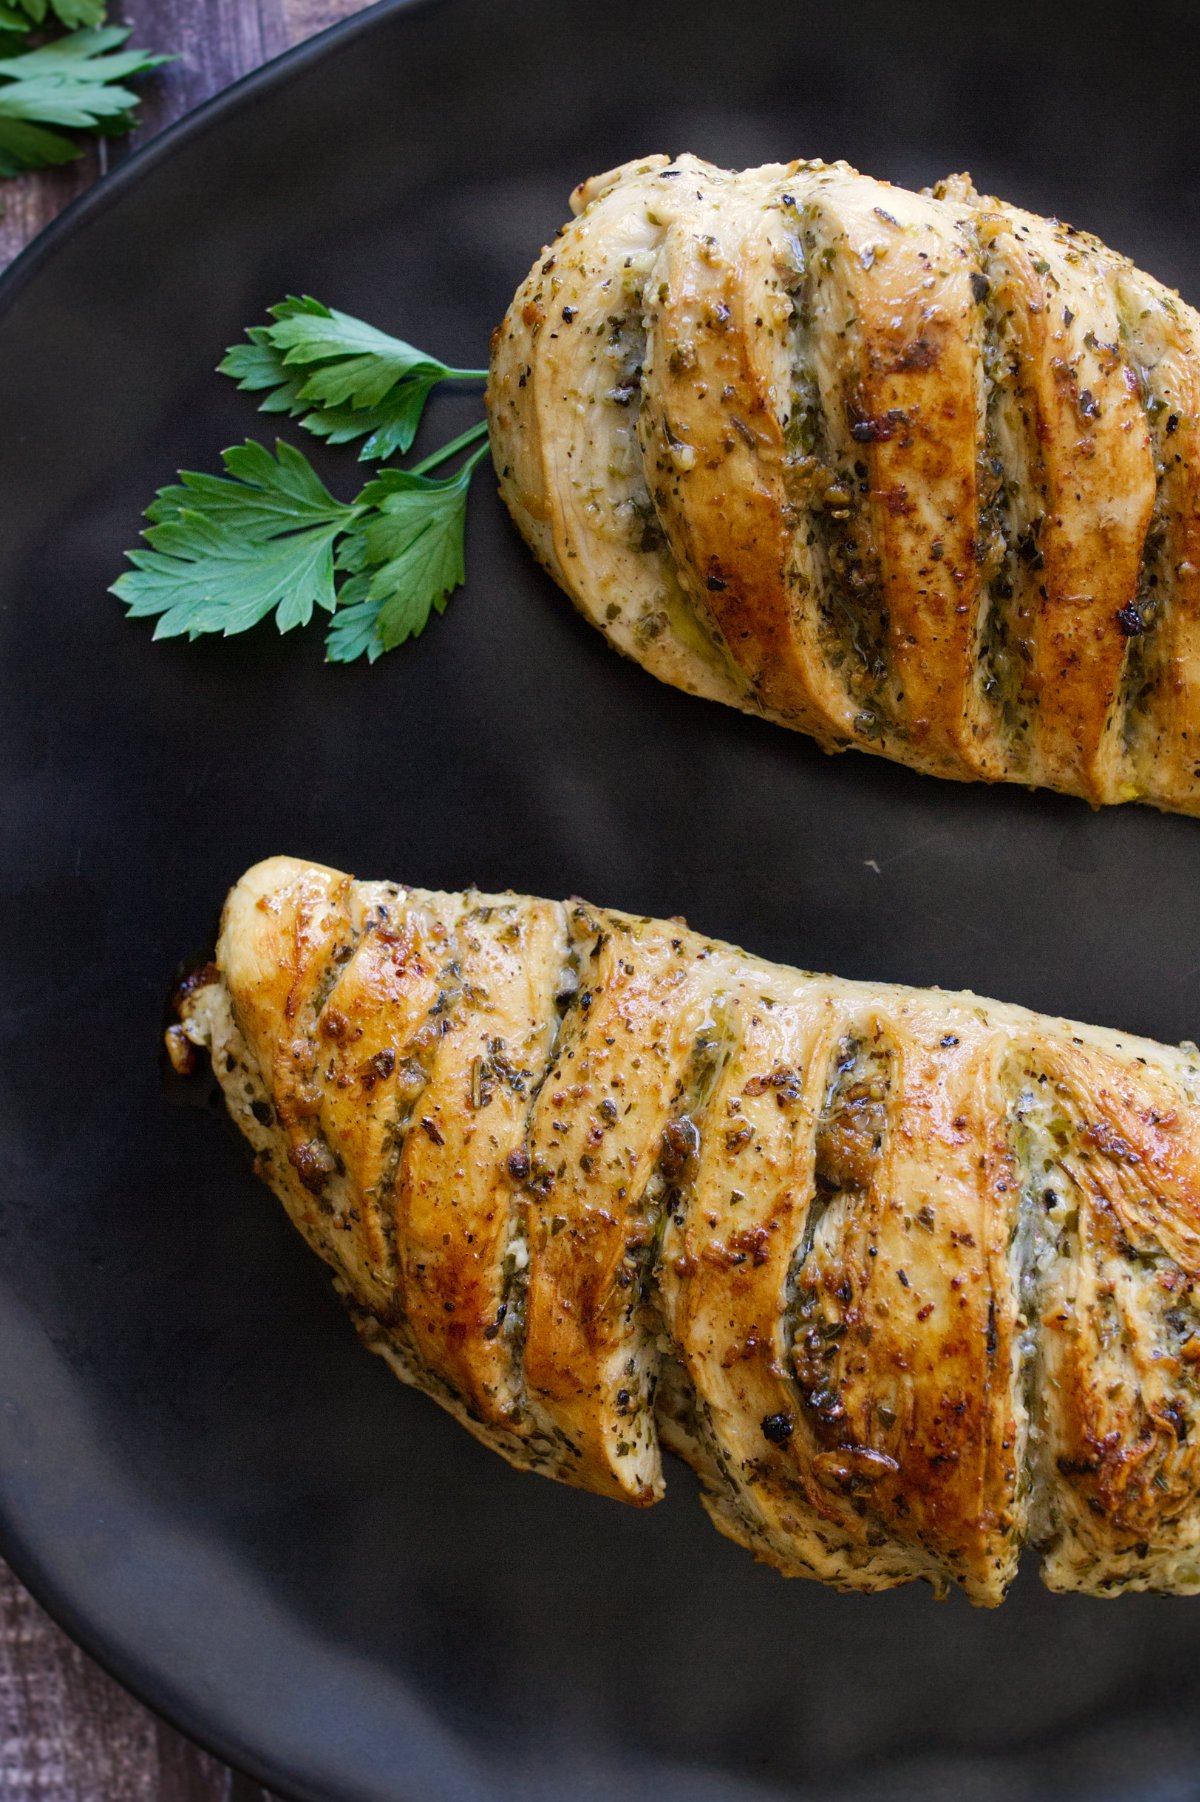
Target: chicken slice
<point>1111,1166</point>
<point>1073,442</point>
<point>598,1136</point>
<point>564,398</point>
<point>1162,672</point>
<point>890,338</point>
<point>713,430</point>
<point>455,1211</point>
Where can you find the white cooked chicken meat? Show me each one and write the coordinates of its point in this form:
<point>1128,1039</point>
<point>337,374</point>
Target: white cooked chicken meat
<point>913,473</point>
<point>908,1277</point>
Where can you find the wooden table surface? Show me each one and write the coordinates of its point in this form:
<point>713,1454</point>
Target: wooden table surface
<point>68,1733</point>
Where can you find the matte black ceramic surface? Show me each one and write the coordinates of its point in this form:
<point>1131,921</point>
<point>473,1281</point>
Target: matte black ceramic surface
<point>257,1528</point>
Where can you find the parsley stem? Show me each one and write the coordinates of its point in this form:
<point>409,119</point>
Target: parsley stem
<point>450,450</point>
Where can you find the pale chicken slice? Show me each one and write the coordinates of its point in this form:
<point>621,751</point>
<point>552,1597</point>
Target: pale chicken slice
<point>891,331</point>
<point>836,1206</point>
<point>905,1320</point>
<point>596,1143</point>
<point>563,400</point>
<point>910,1278</point>
<point>1111,1161</point>
<point>714,433</point>
<point>1162,675</point>
<point>455,1209</point>
<point>1078,449</point>
<point>284,946</point>
<point>736,1228</point>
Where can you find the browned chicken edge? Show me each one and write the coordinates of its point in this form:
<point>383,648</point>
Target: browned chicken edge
<point>908,1277</point>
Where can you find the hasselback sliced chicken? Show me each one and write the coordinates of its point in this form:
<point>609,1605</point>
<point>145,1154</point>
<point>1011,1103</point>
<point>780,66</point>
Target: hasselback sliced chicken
<point>914,473</point>
<point>909,1278</point>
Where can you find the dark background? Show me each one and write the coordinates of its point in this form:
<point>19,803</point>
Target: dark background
<point>199,1470</point>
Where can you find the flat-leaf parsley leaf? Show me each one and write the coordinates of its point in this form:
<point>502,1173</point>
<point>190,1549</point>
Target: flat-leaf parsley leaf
<point>342,378</point>
<point>226,551</point>
<point>267,538</point>
<point>405,558</point>
<point>74,82</point>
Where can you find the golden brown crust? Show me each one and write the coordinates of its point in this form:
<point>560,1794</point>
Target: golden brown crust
<point>1092,477</point>
<point>455,1233</point>
<point>712,428</point>
<point>890,324</point>
<point>902,463</point>
<point>909,1277</point>
<point>1163,668</point>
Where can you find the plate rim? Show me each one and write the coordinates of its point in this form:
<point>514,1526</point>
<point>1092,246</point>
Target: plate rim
<point>144,1686</point>
<point>108,189</point>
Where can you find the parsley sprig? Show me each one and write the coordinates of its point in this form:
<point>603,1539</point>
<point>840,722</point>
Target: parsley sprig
<point>343,379</point>
<point>76,82</point>
<point>267,538</point>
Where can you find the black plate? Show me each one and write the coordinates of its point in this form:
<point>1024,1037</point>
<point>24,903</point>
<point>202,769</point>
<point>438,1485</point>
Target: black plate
<point>256,1527</point>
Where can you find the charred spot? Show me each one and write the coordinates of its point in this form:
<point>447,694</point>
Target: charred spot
<point>1129,618</point>
<point>377,1068</point>
<point>680,1154</point>
<point>1100,1134</point>
<point>875,428</point>
<point>1078,1467</point>
<point>829,1408</point>
<point>853,1120</point>
<point>1028,550</point>
<point>778,1428</point>
<point>920,354</point>
<point>313,1163</point>
<point>1173,1413</point>
<point>751,1242</point>
<point>784,1080</point>
<point>196,979</point>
